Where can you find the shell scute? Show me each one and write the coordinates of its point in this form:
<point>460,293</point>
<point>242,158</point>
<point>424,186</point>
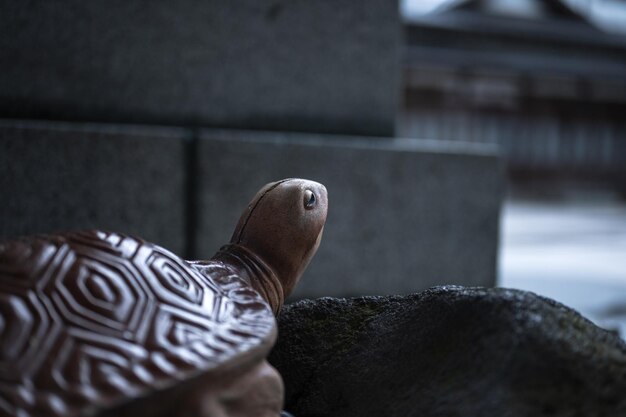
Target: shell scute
<point>92,319</point>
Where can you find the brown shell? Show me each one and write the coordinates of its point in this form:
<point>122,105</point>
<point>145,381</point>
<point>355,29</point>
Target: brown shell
<point>91,320</point>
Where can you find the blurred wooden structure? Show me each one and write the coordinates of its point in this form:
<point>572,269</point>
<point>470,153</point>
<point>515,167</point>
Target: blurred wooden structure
<point>541,81</point>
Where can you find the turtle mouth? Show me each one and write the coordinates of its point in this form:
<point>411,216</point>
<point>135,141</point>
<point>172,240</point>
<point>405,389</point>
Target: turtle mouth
<point>239,234</point>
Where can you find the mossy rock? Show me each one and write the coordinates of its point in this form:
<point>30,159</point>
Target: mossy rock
<point>448,351</point>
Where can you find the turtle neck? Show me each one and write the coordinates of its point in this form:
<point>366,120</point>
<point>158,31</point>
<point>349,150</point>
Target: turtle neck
<point>256,272</point>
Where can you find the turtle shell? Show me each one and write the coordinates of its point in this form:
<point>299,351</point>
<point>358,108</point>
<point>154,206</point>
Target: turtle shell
<point>92,320</point>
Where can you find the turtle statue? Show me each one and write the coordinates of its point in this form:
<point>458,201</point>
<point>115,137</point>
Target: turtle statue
<point>103,324</point>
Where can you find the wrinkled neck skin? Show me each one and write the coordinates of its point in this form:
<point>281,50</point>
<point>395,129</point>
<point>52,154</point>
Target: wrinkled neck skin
<point>256,272</point>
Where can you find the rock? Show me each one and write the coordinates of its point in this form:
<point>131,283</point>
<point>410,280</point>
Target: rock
<point>448,351</point>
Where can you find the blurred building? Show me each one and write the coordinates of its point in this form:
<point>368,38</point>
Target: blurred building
<point>544,80</point>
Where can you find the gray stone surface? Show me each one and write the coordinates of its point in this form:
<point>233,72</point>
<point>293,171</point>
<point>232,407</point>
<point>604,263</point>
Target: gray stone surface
<point>315,65</point>
<point>403,215</point>
<point>60,176</point>
<point>450,351</point>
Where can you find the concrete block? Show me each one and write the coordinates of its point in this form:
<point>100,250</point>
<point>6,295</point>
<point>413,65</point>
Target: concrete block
<point>62,176</point>
<point>404,214</point>
<point>315,65</point>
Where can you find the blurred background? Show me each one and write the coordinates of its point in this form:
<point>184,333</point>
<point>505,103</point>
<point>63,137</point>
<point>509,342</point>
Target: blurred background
<point>546,82</point>
<point>462,142</point>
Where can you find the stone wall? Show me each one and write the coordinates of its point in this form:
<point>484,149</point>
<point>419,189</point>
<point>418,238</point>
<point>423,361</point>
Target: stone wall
<point>314,65</point>
<point>66,176</point>
<point>404,214</point>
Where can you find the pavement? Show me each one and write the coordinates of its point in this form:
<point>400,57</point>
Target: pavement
<point>572,250</point>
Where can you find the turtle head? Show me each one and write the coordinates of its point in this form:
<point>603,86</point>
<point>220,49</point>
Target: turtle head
<point>283,226</point>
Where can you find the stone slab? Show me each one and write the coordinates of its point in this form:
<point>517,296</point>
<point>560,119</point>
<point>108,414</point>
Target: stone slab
<point>404,215</point>
<point>316,65</point>
<point>61,176</point>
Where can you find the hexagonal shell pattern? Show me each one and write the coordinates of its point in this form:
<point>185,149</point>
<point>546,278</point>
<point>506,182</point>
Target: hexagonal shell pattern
<point>94,319</point>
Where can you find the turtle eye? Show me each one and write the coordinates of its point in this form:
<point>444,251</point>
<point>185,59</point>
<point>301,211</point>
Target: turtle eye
<point>309,199</point>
